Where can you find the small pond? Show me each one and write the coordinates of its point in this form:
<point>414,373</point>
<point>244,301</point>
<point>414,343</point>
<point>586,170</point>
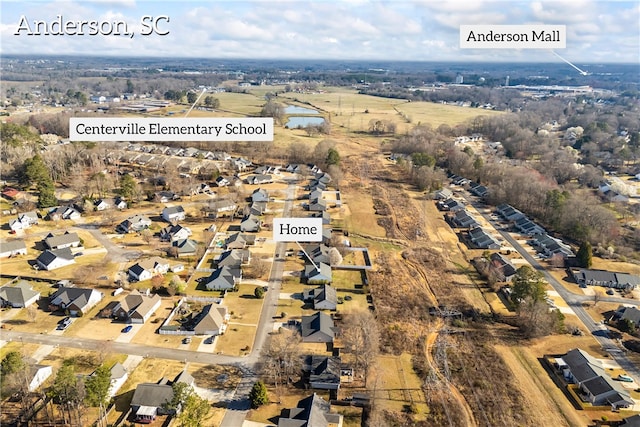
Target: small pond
<point>302,121</point>
<point>293,109</point>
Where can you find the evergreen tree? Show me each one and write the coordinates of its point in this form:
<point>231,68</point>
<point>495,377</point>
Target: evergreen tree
<point>527,284</point>
<point>258,395</point>
<point>128,186</point>
<point>97,386</point>
<point>194,411</point>
<point>333,157</point>
<point>12,363</point>
<point>584,255</point>
<point>46,194</point>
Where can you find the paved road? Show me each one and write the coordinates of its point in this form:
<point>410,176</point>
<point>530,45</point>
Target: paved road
<point>575,301</point>
<point>238,408</point>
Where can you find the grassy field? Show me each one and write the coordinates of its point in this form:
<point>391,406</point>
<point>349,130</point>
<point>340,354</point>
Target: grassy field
<point>397,385</point>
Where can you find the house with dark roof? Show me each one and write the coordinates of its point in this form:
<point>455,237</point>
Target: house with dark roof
<point>321,372</point>
<point>64,212</point>
<point>595,385</point>
<point>101,205</point>
<point>502,267</point>
<point>222,181</point>
<point>482,239</point>
<point>239,241</point>
<point>318,327</point>
<point>317,275</point>
<point>604,278</point>
<point>165,196</point>
<point>223,278</point>
<point>550,246</point>
<point>55,258</point>
<point>12,248</point>
<point>18,295</point>
<point>149,401</point>
<point>632,421</point>
<point>66,240</point>
<point>173,213</point>
<point>450,205</point>
<point>174,232</point>
<point>136,307</point>
<point>74,301</point>
<point>256,208</point>
<point>463,219</point>
<point>147,268</point>
<point>323,297</point>
<point>312,411</point>
<point>134,224</point>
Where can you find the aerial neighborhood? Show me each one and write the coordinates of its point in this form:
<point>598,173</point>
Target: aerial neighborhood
<point>474,260</point>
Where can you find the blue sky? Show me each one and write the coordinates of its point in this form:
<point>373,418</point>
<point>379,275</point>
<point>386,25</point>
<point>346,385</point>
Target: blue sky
<point>597,31</point>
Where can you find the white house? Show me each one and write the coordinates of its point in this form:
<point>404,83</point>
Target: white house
<point>12,248</point>
<point>38,374</point>
<point>173,213</point>
<point>55,258</point>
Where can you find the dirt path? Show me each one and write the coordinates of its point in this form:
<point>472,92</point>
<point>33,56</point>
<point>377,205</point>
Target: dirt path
<point>467,413</point>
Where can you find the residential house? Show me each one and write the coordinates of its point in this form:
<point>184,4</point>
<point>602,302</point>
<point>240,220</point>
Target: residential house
<point>234,258</point>
<point>312,411</point>
<point>525,226</point>
<point>318,254</point>
<point>149,401</point>
<point>509,213</point>
<point>224,206</point>
<point>443,194</point>
<point>165,197</point>
<point>136,307</point>
<point>101,205</point>
<point>146,269</point>
<point>550,246</point>
<point>66,240</point>
<point>596,386</point>
<point>295,168</point>
<point>628,313</point>
<point>250,224</point>
<point>478,190</point>
<point>12,248</point>
<point>133,224</point>
<point>23,221</point>
<point>482,239</point>
<point>223,279</point>
<point>462,219</point>
<point>37,375</point>
<point>18,295</point>
<point>119,376</point>
<point>174,232</point>
<point>173,214</point>
<point>212,320</point>
<point>64,212</point>
<point>316,205</point>
<point>74,301</point>
<point>502,267</point>
<point>185,247</point>
<point>326,236</point>
<point>325,215</point>
<point>55,258</point>
<point>266,170</point>
<point>240,164</point>
<point>222,181</point>
<point>317,275</point>
<point>260,195</point>
<point>239,241</point>
<point>259,179</point>
<point>450,205</point>
<point>10,193</point>
<point>318,327</point>
<point>323,297</point>
<point>321,372</point>
<point>607,279</point>
<point>632,421</point>
<point>316,194</point>
<point>120,203</point>
<point>257,208</point>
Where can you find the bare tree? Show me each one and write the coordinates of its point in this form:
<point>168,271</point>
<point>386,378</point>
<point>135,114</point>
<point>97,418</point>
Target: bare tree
<point>282,357</point>
<point>362,339</point>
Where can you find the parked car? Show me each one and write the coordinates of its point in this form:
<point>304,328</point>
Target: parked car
<point>610,292</point>
<point>127,329</point>
<point>625,378</point>
<point>186,340</point>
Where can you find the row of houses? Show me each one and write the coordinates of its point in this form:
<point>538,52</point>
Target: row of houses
<point>604,278</point>
<point>520,221</point>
